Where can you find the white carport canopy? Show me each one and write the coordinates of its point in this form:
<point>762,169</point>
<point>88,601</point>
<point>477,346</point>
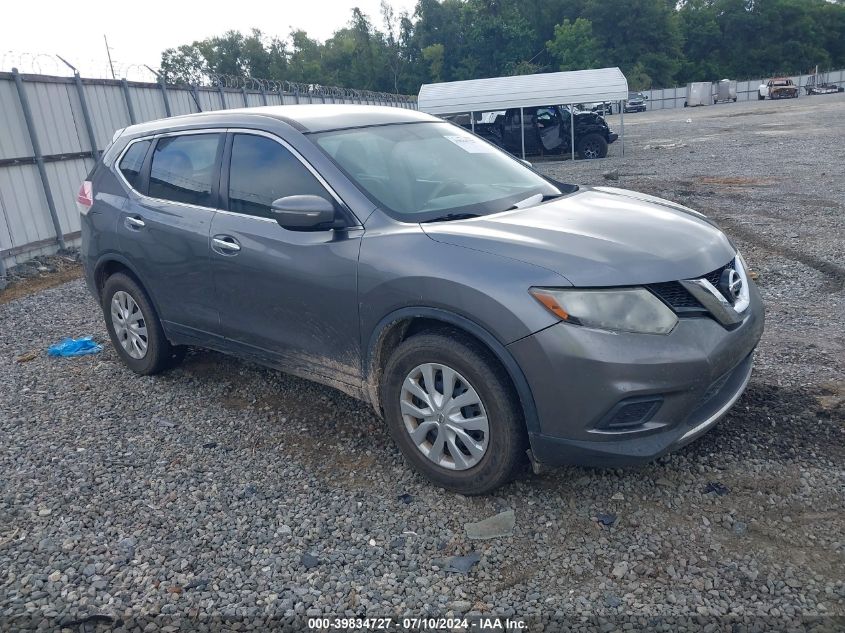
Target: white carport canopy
<point>523,91</point>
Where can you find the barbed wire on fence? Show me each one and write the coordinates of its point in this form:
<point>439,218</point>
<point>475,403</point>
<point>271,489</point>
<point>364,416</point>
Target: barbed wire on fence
<point>52,64</point>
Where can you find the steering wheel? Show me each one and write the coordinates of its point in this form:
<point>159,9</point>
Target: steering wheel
<point>443,186</point>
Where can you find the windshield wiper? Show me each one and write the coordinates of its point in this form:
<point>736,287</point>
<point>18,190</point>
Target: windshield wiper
<point>451,216</point>
<point>531,201</point>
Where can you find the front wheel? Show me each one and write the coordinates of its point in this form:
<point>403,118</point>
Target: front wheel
<point>592,146</point>
<point>453,413</point>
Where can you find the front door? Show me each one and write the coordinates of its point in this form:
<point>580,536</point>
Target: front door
<point>288,296</point>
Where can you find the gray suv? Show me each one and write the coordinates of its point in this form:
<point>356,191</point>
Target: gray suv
<point>490,314</point>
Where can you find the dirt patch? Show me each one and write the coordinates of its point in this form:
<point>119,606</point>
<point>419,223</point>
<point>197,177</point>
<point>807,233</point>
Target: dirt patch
<point>31,285</point>
<point>735,181</point>
<point>753,113</point>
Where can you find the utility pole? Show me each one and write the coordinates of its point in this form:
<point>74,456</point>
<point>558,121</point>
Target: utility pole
<point>108,52</point>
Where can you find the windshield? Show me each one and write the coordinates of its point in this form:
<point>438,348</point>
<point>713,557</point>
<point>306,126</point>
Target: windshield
<point>423,171</point>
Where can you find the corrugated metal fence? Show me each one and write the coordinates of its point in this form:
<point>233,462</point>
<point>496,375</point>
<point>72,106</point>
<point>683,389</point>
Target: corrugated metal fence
<point>53,128</point>
<point>745,91</point>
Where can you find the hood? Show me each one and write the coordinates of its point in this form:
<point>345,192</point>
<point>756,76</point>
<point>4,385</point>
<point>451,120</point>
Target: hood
<point>589,117</point>
<point>598,236</point>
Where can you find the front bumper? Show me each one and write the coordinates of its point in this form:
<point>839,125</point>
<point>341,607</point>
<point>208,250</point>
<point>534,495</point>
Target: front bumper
<point>579,377</point>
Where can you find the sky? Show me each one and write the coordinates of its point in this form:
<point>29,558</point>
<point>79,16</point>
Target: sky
<point>138,31</point>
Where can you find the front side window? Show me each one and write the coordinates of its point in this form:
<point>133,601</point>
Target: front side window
<point>262,171</point>
<point>183,168</point>
<point>132,161</point>
<point>419,171</point>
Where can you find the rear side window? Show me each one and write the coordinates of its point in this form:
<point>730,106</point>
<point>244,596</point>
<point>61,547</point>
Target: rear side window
<point>262,171</point>
<point>183,168</point>
<point>132,161</point>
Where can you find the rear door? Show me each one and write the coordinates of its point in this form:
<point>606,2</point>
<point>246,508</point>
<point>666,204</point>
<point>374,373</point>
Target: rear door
<point>286,296</point>
<point>165,225</point>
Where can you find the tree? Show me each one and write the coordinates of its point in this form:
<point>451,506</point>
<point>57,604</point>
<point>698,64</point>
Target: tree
<point>657,43</point>
<point>433,55</point>
<point>573,46</point>
<point>638,31</point>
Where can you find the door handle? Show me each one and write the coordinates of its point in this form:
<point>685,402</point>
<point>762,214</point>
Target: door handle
<point>227,244</point>
<point>134,223</point>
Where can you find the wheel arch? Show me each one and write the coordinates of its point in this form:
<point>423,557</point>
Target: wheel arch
<point>112,263</point>
<point>399,325</point>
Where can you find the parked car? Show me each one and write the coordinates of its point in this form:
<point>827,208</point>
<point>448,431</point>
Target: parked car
<point>603,108</point>
<point>635,103</point>
<point>547,131</point>
<point>777,88</point>
<point>488,313</point>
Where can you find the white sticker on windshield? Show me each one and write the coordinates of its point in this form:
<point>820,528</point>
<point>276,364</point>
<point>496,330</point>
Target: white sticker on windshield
<point>471,144</point>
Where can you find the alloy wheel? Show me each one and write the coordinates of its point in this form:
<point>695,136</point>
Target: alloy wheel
<point>591,150</point>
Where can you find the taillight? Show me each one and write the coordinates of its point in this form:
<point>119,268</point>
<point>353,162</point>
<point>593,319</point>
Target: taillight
<point>85,197</point>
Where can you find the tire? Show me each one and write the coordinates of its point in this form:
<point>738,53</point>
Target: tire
<point>503,440</point>
<point>760,97</point>
<point>158,354</point>
<point>592,146</point>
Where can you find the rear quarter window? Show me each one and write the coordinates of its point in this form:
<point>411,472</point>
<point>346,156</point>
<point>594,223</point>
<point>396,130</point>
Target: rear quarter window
<point>132,162</point>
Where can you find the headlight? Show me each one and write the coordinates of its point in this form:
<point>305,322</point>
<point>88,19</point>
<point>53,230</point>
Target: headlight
<point>744,299</point>
<point>624,310</point>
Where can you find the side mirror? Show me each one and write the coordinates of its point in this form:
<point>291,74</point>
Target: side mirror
<point>303,212</point>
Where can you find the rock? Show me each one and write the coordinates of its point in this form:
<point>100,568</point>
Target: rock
<point>45,512</point>
<point>717,488</point>
<point>620,569</point>
<point>739,528</point>
<point>618,497</point>
<point>405,498</point>
<point>606,518</point>
<point>309,561</point>
<point>496,526</point>
<point>612,601</point>
<point>613,174</point>
<point>459,606</point>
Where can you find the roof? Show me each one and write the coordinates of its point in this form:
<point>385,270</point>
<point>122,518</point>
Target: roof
<point>305,117</point>
<point>501,93</point>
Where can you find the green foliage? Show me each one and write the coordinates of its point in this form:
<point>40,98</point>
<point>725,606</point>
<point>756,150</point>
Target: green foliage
<point>573,46</point>
<point>657,43</point>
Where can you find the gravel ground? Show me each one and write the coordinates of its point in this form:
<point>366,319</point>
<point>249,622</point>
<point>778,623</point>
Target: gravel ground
<point>223,495</point>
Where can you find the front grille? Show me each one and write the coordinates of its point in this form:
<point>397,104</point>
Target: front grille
<point>716,275</point>
<point>682,302</point>
<point>675,295</point>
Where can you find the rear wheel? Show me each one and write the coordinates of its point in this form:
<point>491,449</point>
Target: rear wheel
<point>134,328</point>
<point>453,413</point>
<point>592,146</point>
